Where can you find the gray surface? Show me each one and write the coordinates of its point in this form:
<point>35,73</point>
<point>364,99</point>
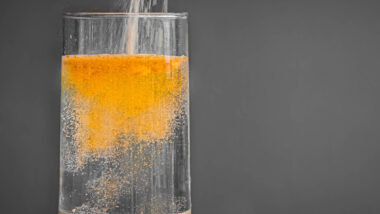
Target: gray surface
<point>285,105</point>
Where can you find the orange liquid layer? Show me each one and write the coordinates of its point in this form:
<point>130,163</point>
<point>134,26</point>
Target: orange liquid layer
<point>121,99</point>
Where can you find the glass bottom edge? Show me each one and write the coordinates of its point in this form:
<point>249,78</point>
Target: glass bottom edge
<point>186,212</point>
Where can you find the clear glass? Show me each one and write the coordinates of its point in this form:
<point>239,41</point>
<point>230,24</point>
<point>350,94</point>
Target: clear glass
<point>125,114</point>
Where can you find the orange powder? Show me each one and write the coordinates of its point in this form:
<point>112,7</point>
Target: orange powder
<point>121,99</point>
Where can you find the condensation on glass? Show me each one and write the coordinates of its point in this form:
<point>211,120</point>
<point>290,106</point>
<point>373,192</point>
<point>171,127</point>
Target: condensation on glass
<point>125,114</point>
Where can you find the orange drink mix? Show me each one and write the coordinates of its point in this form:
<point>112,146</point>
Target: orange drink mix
<point>115,107</point>
<point>135,97</point>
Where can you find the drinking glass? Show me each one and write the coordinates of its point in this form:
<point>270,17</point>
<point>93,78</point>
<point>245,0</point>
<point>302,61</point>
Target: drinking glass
<point>124,144</point>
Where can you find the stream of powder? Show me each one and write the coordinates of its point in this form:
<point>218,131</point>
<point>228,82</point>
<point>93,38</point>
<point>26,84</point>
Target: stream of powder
<point>139,6</point>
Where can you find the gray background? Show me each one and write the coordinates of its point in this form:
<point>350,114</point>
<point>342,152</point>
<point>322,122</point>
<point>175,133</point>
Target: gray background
<point>285,105</point>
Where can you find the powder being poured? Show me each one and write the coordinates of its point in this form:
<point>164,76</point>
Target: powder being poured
<point>139,6</point>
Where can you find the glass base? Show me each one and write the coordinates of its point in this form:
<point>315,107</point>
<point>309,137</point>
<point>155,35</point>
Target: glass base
<point>63,212</point>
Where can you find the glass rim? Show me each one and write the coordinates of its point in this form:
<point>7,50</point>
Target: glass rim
<point>102,15</point>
